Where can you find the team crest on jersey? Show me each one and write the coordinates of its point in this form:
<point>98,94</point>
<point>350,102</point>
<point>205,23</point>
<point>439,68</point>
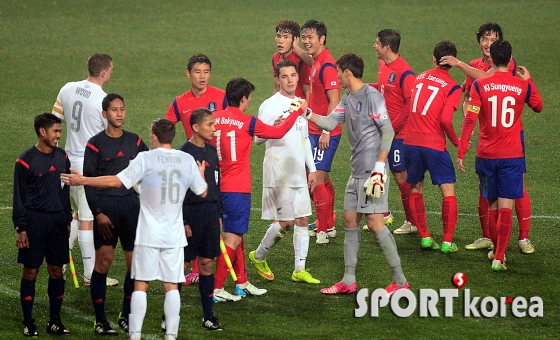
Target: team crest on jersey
<point>392,77</point>
<point>212,106</point>
<point>358,106</point>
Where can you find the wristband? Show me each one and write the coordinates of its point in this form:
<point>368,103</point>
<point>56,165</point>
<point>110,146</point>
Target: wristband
<point>326,132</point>
<point>308,114</point>
<point>379,167</point>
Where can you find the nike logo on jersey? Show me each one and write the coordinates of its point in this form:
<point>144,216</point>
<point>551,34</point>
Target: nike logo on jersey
<point>186,111</point>
<point>377,116</point>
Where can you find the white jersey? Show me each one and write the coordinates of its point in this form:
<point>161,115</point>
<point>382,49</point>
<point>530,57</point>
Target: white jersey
<point>80,103</point>
<point>163,178</point>
<point>285,159</point>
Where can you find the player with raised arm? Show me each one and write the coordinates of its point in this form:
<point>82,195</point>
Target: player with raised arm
<point>324,96</point>
<point>287,45</point>
<point>203,216</point>
<point>394,81</point>
<point>115,209</point>
<point>285,199</point>
<point>370,135</point>
<point>434,99</point>
<point>163,176</point>
<point>233,140</point>
<point>80,104</point>
<point>482,67</point>
<point>42,215</point>
<point>498,101</point>
<point>200,95</point>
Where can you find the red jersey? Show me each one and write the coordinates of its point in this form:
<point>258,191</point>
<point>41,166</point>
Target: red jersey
<point>395,81</point>
<point>434,99</point>
<point>479,64</point>
<point>301,68</point>
<point>323,77</point>
<point>498,101</point>
<point>233,140</point>
<point>182,106</point>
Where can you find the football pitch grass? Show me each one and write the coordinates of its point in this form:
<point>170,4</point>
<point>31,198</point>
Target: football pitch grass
<point>46,44</point>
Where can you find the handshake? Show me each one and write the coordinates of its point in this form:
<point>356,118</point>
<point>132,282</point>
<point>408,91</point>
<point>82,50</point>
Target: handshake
<point>298,104</point>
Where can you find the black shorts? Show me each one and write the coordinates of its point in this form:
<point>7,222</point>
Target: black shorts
<point>204,219</point>
<point>48,239</point>
<point>123,212</point>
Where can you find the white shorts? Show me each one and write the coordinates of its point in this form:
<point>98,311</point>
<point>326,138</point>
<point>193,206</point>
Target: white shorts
<point>163,264</point>
<point>78,193</point>
<point>285,204</point>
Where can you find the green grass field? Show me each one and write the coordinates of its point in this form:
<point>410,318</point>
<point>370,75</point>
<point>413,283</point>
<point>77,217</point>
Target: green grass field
<point>46,44</point>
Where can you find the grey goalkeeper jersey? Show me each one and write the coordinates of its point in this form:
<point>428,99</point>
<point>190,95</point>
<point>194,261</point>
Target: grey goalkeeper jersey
<point>364,113</point>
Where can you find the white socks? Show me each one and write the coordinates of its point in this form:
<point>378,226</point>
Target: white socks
<point>273,234</point>
<point>172,308</point>
<point>85,238</point>
<point>138,305</point>
<point>301,246</point>
<point>73,233</point>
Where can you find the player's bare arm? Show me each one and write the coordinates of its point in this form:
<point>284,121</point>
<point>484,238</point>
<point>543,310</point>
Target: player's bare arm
<point>468,70</point>
<point>75,178</point>
<point>307,59</point>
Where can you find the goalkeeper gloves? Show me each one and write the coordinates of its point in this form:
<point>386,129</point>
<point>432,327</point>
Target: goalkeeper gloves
<point>375,184</point>
<point>296,104</point>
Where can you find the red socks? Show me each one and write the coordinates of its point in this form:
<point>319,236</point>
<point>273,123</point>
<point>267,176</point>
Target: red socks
<point>493,226</point>
<point>222,270</point>
<point>404,188</point>
<point>418,210</point>
<point>504,233</point>
<point>239,263</point>
<point>449,216</point>
<point>194,268</point>
<point>330,190</point>
<point>483,215</point>
<point>523,212</point>
<point>322,200</point>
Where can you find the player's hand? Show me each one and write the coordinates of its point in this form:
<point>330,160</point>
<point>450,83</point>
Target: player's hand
<point>201,168</point>
<point>460,165</point>
<point>324,141</point>
<point>104,226</point>
<point>188,230</point>
<point>21,240</point>
<point>449,60</point>
<point>295,43</point>
<point>74,178</point>
<point>311,181</point>
<point>278,121</point>
<point>469,145</point>
<point>375,185</point>
<point>525,75</point>
<point>298,104</point>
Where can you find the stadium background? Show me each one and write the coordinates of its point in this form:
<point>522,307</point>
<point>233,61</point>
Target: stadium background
<point>46,44</point>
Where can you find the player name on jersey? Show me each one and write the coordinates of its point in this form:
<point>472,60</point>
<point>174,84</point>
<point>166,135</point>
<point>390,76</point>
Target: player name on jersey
<point>83,92</point>
<point>228,121</point>
<point>440,81</point>
<point>169,160</point>
<point>502,87</point>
